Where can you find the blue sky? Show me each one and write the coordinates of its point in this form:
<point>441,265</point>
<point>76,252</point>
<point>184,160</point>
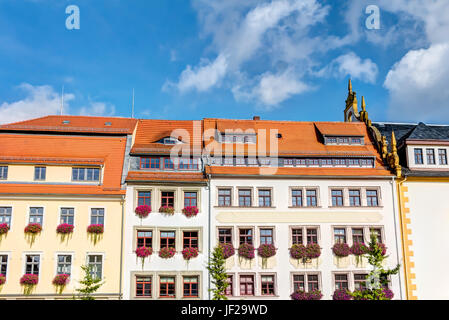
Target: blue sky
<point>280,59</point>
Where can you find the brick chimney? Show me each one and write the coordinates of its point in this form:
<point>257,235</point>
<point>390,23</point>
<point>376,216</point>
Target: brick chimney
<point>256,118</point>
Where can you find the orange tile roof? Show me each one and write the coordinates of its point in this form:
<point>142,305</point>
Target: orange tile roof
<point>42,189</point>
<point>341,128</point>
<point>150,131</point>
<point>108,151</point>
<point>166,176</point>
<point>84,124</point>
<point>52,160</point>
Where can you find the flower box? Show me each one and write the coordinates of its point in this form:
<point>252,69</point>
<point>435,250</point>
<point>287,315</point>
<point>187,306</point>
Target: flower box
<point>29,279</point>
<point>2,279</point>
<point>189,253</point>
<point>64,228</point>
<point>33,228</point>
<point>228,250</point>
<point>4,228</point>
<point>143,252</point>
<point>341,294</point>
<point>359,248</point>
<point>298,251</point>
<point>167,210</point>
<point>95,229</point>
<point>246,250</point>
<point>266,250</point>
<point>143,211</point>
<point>313,250</point>
<point>341,250</point>
<point>190,211</point>
<point>166,253</point>
<point>61,279</point>
<point>302,295</point>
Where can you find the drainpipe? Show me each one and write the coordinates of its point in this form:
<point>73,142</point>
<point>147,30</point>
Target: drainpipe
<point>209,235</point>
<point>395,233</point>
<point>121,247</point>
<point>403,232</point>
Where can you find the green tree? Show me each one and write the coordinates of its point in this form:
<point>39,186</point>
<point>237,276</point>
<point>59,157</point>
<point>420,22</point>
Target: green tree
<point>217,270</point>
<point>89,284</point>
<point>378,277</point>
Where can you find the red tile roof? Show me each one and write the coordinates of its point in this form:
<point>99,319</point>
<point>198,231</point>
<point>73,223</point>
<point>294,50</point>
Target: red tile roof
<point>166,176</point>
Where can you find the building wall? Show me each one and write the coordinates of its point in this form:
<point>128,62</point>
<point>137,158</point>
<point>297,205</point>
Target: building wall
<point>428,208</point>
<point>282,218</point>
<point>48,243</point>
<point>154,265</point>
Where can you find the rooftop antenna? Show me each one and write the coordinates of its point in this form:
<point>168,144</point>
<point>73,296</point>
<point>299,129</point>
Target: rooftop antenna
<point>62,99</point>
<point>132,112</point>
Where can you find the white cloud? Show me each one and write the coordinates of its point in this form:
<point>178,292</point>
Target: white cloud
<point>43,100</point>
<point>352,65</point>
<point>418,84</point>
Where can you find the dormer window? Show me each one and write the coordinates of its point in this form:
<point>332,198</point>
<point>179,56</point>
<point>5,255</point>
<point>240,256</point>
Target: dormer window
<point>108,124</point>
<point>343,140</point>
<point>169,141</point>
<point>66,122</point>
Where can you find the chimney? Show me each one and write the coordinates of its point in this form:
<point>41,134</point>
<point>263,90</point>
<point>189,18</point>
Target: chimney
<point>256,118</point>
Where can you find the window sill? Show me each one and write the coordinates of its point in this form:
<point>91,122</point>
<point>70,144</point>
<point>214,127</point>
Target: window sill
<point>238,207</point>
<point>304,207</point>
<point>355,207</point>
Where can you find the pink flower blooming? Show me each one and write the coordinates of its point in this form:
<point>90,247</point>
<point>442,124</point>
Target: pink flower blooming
<point>143,252</point>
<point>228,250</point>
<point>61,279</point>
<point>166,253</point>
<point>189,253</point>
<point>266,250</point>
<point>388,293</point>
<point>33,228</point>
<point>143,211</point>
<point>190,211</point>
<point>4,228</point>
<point>341,249</point>
<point>64,228</point>
<point>313,250</point>
<point>383,248</point>
<point>167,209</point>
<point>359,248</point>
<point>95,228</point>
<point>302,295</point>
<point>2,279</point>
<point>29,279</point>
<point>341,294</point>
<point>246,250</point>
<point>298,251</point>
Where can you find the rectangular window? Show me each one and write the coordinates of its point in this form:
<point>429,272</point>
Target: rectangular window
<point>168,198</point>
<point>67,216</point>
<point>229,289</point>
<point>311,198</point>
<point>168,164</point>
<point>297,236</point>
<point>144,238</point>
<point>245,197</point>
<point>155,163</point>
<point>312,282</point>
<point>246,236</point>
<point>167,287</point>
<point>95,262</point>
<point>357,235</point>
<point>288,162</point>
<point>143,286</point>
<point>354,198</point>
<point>40,173</point>
<point>5,215</point>
<point>360,281</point>
<point>97,216</point>
<point>340,235</point>
<point>37,215</point>
<point>341,282</point>
<point>144,198</point>
<point>190,239</point>
<point>418,156</point>
<point>64,264</point>
<point>246,285</point>
<point>298,282</point>
<point>4,264</point>
<point>225,235</point>
<point>378,233</point>
<point>224,197</point>
<point>430,153</point>
<point>442,156</point>
<point>168,239</point>
<point>190,286</point>
<point>266,236</point>
<point>356,141</point>
<point>312,235</point>
<point>144,162</point>
<point>188,164</point>
<point>371,198</point>
<point>267,285</point>
<point>240,161</point>
<point>337,198</point>
<point>264,198</point>
<point>296,198</point>
<point>32,264</point>
<point>190,199</point>
<point>85,174</point>
<point>3,172</point>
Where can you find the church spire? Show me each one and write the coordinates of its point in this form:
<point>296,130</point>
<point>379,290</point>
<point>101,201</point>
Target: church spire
<point>350,86</point>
